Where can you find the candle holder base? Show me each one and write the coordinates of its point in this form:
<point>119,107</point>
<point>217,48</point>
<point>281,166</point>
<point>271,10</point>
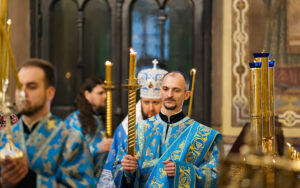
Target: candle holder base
<point>109,85</point>
<point>10,150</point>
<point>132,86</point>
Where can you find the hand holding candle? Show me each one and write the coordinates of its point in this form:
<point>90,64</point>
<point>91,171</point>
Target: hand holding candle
<point>132,103</point>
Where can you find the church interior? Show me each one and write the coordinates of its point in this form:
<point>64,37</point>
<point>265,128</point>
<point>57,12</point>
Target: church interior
<point>215,37</point>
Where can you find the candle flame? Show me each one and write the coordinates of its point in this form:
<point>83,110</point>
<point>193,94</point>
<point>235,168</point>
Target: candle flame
<point>8,21</point>
<point>108,63</point>
<point>193,71</point>
<point>132,51</point>
<point>68,75</point>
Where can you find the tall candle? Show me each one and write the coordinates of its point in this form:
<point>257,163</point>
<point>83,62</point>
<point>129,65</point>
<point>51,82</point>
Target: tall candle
<point>193,73</point>
<point>108,66</point>
<point>3,15</point>
<point>11,59</point>
<point>6,52</point>
<point>132,64</point>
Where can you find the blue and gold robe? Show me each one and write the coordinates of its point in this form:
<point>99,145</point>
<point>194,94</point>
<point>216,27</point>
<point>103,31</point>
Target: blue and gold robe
<point>55,152</point>
<point>120,134</point>
<point>93,140</point>
<point>193,147</point>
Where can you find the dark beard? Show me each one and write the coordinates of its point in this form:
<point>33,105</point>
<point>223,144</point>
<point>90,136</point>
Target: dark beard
<point>31,111</point>
<point>144,115</point>
<point>170,108</point>
<point>100,111</point>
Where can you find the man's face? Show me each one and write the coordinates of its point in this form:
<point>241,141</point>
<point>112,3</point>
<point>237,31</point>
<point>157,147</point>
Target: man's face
<point>173,92</point>
<point>36,93</point>
<point>97,98</point>
<point>150,107</point>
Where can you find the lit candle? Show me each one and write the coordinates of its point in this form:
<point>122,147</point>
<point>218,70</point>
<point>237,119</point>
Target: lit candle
<point>6,53</point>
<point>108,66</point>
<point>193,73</point>
<point>132,63</point>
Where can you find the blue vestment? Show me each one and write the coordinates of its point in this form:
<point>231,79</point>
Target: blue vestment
<point>55,152</point>
<point>193,147</point>
<point>93,141</point>
<point>120,134</point>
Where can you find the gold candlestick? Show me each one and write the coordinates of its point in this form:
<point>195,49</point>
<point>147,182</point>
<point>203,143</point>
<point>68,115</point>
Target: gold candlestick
<point>132,87</point>
<point>263,58</point>
<point>255,104</point>
<point>6,56</point>
<point>11,57</point>
<point>6,60</point>
<point>10,149</point>
<point>272,108</point>
<point>193,74</point>
<point>3,7</point>
<point>5,82</point>
<point>108,86</point>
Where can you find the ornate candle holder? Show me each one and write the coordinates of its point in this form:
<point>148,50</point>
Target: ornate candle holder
<point>6,54</point>
<point>132,86</point>
<point>109,87</point>
<point>9,149</point>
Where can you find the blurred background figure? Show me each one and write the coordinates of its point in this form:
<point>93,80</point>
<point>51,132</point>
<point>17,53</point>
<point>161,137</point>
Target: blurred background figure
<point>89,118</point>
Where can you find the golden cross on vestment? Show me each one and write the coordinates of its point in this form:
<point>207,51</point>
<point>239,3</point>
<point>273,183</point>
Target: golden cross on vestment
<point>50,124</point>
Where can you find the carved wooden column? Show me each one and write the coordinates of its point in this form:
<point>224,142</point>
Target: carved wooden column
<point>80,26</point>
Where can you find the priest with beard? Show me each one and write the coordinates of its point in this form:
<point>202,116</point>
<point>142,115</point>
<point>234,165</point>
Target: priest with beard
<point>54,154</point>
<point>148,106</point>
<point>89,118</point>
<point>171,149</point>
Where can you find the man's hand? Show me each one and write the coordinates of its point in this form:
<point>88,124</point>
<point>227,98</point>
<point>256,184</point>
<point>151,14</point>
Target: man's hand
<point>129,163</point>
<point>105,144</point>
<point>169,167</point>
<point>13,170</point>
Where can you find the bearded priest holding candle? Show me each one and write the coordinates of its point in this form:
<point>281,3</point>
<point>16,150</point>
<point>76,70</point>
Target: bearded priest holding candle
<point>54,154</point>
<point>172,150</point>
<point>148,106</point>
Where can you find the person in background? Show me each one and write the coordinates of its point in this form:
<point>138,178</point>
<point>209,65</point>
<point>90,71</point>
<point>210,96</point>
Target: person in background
<point>89,118</point>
